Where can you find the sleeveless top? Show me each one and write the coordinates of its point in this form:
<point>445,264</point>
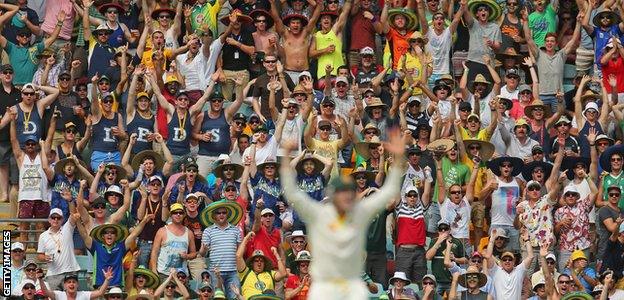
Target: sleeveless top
<point>169,256</point>
<point>103,138</point>
<point>541,136</point>
<point>171,41</point>
<point>178,140</point>
<point>142,127</point>
<point>33,183</point>
<point>508,30</point>
<point>220,131</point>
<point>150,229</point>
<point>117,38</point>
<point>334,58</point>
<point>480,296</point>
<point>61,154</point>
<point>28,123</point>
<point>582,137</point>
<point>504,202</point>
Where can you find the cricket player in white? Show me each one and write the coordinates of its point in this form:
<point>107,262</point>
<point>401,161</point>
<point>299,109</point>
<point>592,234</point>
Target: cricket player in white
<point>337,229</point>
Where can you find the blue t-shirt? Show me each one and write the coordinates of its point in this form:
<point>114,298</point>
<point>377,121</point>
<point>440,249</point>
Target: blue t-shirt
<point>105,257</point>
<point>59,183</point>
<point>589,272</point>
<point>601,39</point>
<point>269,191</point>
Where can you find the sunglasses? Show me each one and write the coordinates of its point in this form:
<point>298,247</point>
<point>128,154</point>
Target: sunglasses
<point>533,188</point>
<point>74,131</point>
<point>550,262</point>
<point>156,184</point>
<point>569,195</point>
<point>56,218</point>
<point>239,123</point>
<point>269,167</point>
<point>616,159</point>
<point>107,101</point>
<point>164,17</point>
<point>102,33</point>
<point>230,190</point>
<point>328,105</point>
<point>538,171</point>
<point>30,269</point>
<point>64,78</point>
<point>325,129</point>
<point>205,290</point>
<point>474,147</point>
<point>412,195</point>
<point>428,283</point>
<point>191,170</point>
<point>360,177</point>
<point>298,242</point>
<point>261,21</point>
<point>616,195</point>
<point>171,287</point>
<point>603,144</point>
<point>455,192</point>
<point>565,281</point>
<point>28,93</point>
<point>526,93</point>
<point>271,61</point>
<point>8,72</point>
<point>179,212</point>
<point>254,122</point>
<point>472,277</point>
<point>507,259</point>
<point>112,11</point>
<point>99,206</point>
<point>221,212</point>
<point>444,229</point>
<point>29,287</point>
<point>214,100</point>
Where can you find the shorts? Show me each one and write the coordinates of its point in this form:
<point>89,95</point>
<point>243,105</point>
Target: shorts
<point>6,152</point>
<point>37,209</point>
<point>99,157</point>
<point>477,216</point>
<point>432,217</point>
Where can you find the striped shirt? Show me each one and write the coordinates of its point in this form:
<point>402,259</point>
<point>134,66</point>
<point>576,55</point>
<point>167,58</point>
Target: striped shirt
<point>223,243</point>
<point>410,224</point>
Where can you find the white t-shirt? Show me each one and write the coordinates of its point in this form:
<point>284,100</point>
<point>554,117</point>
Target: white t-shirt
<point>458,216</point>
<point>504,201</point>
<point>60,295</point>
<point>484,106</point>
<point>508,285</point>
<point>439,46</point>
<point>293,131</point>
<point>60,246</point>
<point>504,93</point>
<point>268,151</point>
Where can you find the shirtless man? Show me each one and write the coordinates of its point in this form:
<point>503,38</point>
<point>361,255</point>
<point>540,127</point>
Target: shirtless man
<point>264,40</point>
<point>296,39</point>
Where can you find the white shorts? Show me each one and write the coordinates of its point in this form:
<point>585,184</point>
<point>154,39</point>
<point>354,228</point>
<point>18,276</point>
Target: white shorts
<point>345,290</point>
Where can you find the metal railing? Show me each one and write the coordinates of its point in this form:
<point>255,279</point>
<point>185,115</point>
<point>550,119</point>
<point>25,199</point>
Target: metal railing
<point>17,232</point>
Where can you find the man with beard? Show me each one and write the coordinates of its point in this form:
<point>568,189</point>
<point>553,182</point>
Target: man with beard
<point>173,244</point>
<point>212,129</point>
<point>180,118</point>
<point>56,248</point>
<point>550,61</point>
<point>108,244</point>
<point>508,278</point>
<point>519,144</point>
<point>296,37</point>
<point>151,203</point>
<point>221,239</point>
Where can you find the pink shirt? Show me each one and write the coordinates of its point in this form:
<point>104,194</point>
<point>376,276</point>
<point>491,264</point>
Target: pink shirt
<point>517,109</point>
<point>53,7</point>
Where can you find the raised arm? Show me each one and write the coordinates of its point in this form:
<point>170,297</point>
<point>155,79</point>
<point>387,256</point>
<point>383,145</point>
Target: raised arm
<point>528,35</point>
<point>342,19</point>
<point>574,42</point>
<point>169,108</point>
<point>134,234</point>
<point>51,94</point>
<point>240,261</point>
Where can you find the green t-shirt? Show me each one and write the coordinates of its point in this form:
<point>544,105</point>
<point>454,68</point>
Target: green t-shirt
<point>543,23</point>
<point>438,269</point>
<point>24,61</point>
<point>609,180</point>
<point>376,238</point>
<point>453,174</point>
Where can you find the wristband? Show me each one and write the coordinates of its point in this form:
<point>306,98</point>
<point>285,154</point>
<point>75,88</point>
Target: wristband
<point>374,19</point>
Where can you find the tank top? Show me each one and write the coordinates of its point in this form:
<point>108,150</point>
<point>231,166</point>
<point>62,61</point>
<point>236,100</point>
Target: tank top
<point>504,200</point>
<point>509,29</point>
<point>467,296</point>
<point>171,41</point>
<point>582,137</point>
<point>220,131</point>
<point>541,136</point>
<point>33,182</point>
<point>335,58</point>
<point>169,256</point>
<point>150,229</point>
<point>142,127</point>
<point>179,134</point>
<point>103,139</point>
<point>28,123</point>
<point>60,153</point>
<point>117,38</point>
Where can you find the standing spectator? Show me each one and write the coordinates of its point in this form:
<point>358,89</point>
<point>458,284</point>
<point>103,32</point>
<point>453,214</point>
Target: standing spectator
<point>12,96</point>
<point>70,288</point>
<point>24,18</point>
<point>262,88</point>
<point>257,274</point>
<point>236,54</point>
<point>608,220</point>
<point>398,25</point>
<point>326,44</point>
<point>364,27</point>
<point>543,21</point>
<point>480,16</point>
<point>508,278</point>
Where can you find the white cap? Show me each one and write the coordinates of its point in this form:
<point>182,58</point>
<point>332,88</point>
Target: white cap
<point>342,79</point>
<point>25,282</point>
<point>305,73</point>
<point>191,195</point>
<point>591,105</point>
<point>570,189</point>
<point>156,177</point>
<point>56,211</point>
<point>533,182</point>
<point>267,211</point>
<point>367,51</point>
<point>411,189</point>
<point>17,245</point>
<point>551,256</point>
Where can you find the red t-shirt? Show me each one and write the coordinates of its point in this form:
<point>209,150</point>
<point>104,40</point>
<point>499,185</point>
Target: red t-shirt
<point>161,114</point>
<point>398,45</point>
<point>615,67</point>
<point>293,282</point>
<point>264,241</point>
<point>363,32</point>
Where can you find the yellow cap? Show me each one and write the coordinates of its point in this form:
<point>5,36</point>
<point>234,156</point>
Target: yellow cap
<point>142,94</point>
<point>578,254</point>
<point>171,78</point>
<point>175,207</point>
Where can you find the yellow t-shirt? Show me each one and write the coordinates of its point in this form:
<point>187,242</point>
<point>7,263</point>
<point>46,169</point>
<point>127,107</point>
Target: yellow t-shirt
<point>482,135</point>
<point>146,59</point>
<point>255,284</point>
<point>324,40</point>
<point>413,62</point>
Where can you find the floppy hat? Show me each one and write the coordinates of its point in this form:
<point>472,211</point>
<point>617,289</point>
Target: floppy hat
<point>235,212</point>
<point>615,18</point>
<point>268,161</point>
<point>578,254</point>
<point>399,276</point>
<point>527,170</point>
<point>138,159</point>
<point>143,294</point>
<point>219,294</point>
<point>157,12</point>
<point>318,165</point>
<point>480,79</point>
<point>472,271</point>
<point>410,17</point>
<point>605,157</point>
<point>121,172</point>
<point>522,122</point>
<point>508,253</point>
<point>363,148</point>
<point>102,9</point>
<point>296,233</point>
<point>605,137</point>
<point>370,126</point>
<point>374,103</point>
<point>120,232</point>
<point>60,165</point>
<point>486,151</point>
<point>591,105</point>
<point>238,170</point>
<point>441,145</point>
<point>240,17</point>
<point>370,176</point>
<point>528,110</point>
<point>495,9</point>
<point>151,279</point>
<point>261,12</point>
<point>446,78</point>
<point>286,19</point>
<point>506,102</point>
<point>510,52</point>
<point>268,265</point>
<point>516,163</point>
<point>588,95</point>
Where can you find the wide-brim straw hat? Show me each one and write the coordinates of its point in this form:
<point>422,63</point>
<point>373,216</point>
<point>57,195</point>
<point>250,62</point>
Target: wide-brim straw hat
<point>486,151</point>
<point>510,52</point>
<point>261,12</point>
<point>441,145</point>
<point>235,212</point>
<point>410,17</point>
<point>98,232</point>
<point>121,172</point>
<point>318,165</point>
<point>157,12</point>
<point>482,279</point>
<point>480,79</point>
<point>516,163</point>
<point>615,18</point>
<point>363,148</point>
<point>528,110</point>
<point>238,170</point>
<point>240,17</point>
<point>151,279</point>
<point>495,9</point>
<point>138,159</point>
<point>60,165</point>
<point>370,176</point>
<point>268,265</point>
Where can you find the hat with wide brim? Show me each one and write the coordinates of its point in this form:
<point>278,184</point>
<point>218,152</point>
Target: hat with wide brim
<point>121,172</point>
<point>151,279</point>
<point>102,9</point>
<point>569,162</point>
<point>410,17</point>
<point>370,176</point>
<point>363,148</point>
<point>157,12</point>
<point>510,52</point>
<point>399,276</point>
<point>304,20</point>
<point>268,265</point>
<point>495,9</point>
<point>98,232</point>
<point>235,212</point>
<point>516,163</point>
<point>577,296</point>
<point>332,14</point>
<point>318,165</point>
<point>141,295</point>
<point>527,170</point>
<point>615,18</point>
<point>265,297</point>
<point>441,145</point>
<point>605,157</point>
<point>47,52</point>
<point>486,151</point>
<point>268,162</point>
<point>482,279</point>
<point>238,170</point>
<point>240,17</point>
<point>261,12</point>
<point>103,28</point>
<point>480,79</point>
<point>60,165</point>
<point>375,102</point>
<point>138,159</point>
<point>589,95</point>
<point>528,110</point>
